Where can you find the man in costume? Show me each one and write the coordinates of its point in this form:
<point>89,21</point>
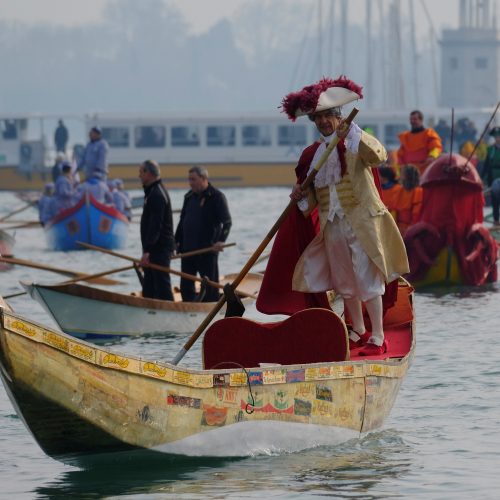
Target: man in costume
<point>419,146</point>
<point>358,247</point>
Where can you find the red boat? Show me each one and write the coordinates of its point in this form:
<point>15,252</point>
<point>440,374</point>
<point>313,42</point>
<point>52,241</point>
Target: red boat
<point>450,245</point>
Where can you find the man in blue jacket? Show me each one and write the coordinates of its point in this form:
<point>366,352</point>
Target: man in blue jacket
<point>94,158</point>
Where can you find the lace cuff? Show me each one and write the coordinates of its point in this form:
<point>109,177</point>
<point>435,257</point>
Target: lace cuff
<point>303,204</point>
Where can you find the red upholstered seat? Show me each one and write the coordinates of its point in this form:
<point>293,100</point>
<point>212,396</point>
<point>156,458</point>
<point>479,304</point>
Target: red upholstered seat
<point>309,336</point>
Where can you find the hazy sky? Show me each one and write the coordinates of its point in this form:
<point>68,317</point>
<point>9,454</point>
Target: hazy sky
<point>202,14</point>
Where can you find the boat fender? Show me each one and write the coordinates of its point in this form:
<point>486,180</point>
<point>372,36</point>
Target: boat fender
<point>413,238</point>
<point>479,236</point>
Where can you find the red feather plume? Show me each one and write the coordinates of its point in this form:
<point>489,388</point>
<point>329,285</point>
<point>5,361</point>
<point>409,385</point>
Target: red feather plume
<point>307,98</point>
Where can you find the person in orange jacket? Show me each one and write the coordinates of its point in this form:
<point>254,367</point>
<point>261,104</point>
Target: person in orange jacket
<point>390,189</point>
<point>409,202</point>
<point>419,146</point>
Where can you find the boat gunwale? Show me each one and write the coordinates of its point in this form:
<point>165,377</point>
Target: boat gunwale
<point>201,378</point>
<point>64,214</point>
<point>98,294</point>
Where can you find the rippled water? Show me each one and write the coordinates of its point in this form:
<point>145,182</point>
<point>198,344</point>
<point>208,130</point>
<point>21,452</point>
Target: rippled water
<point>441,441</point>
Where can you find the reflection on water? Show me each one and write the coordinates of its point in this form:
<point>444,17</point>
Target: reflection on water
<point>354,468</point>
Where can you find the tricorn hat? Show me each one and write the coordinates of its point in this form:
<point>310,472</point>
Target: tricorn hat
<point>320,96</point>
<point>495,131</point>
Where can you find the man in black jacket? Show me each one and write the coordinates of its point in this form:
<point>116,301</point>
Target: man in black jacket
<point>205,221</point>
<point>157,232</point>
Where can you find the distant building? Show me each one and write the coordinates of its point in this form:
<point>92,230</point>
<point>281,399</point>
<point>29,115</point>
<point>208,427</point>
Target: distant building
<point>470,58</point>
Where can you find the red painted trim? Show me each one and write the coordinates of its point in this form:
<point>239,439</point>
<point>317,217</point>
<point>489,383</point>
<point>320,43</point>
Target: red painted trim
<point>65,213</point>
<point>111,211</point>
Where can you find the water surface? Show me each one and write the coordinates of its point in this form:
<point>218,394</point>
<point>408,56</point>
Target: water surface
<point>441,440</point>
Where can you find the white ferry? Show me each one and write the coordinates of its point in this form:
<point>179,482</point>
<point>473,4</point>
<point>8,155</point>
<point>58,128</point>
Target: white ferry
<point>238,150</point>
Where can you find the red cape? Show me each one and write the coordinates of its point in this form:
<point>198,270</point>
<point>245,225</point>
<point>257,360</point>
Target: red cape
<point>295,233</point>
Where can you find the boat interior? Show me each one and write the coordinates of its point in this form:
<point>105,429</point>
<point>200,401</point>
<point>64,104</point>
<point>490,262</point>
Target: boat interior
<point>309,336</point>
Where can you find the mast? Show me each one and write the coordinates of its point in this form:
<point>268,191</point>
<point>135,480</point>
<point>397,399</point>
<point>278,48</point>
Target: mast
<point>432,41</point>
<point>383,45</point>
<point>369,59</point>
<point>344,36</point>
<point>320,38</point>
<point>415,56</point>
<point>331,18</point>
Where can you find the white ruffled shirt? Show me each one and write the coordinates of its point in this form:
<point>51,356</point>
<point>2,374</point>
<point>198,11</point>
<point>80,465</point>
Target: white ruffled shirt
<point>330,172</point>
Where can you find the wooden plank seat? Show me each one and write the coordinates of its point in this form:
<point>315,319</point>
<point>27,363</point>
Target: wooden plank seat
<point>309,336</point>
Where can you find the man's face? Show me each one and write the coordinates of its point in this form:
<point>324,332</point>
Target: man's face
<point>415,121</point>
<point>146,176</point>
<point>197,183</point>
<point>326,122</point>
<point>94,136</point>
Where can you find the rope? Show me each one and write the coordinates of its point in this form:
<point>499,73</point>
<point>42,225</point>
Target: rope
<point>248,405</point>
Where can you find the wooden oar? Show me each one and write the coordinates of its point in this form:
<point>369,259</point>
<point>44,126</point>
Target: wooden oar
<point>200,251</point>
<point>174,211</point>
<point>17,211</point>
<point>162,268</point>
<point>92,277</point>
<point>20,221</point>
<point>65,272</point>
<point>305,185</point>
<point>88,277</point>
<point>26,225</point>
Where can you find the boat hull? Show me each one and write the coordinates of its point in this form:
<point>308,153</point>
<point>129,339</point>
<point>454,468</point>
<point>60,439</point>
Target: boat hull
<point>79,399</point>
<point>93,319</point>
<point>90,222</point>
<point>7,243</point>
<point>90,313</point>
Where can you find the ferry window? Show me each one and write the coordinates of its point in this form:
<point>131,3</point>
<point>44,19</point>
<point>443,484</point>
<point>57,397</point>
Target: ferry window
<point>8,129</point>
<point>185,136</point>
<point>292,135</point>
<point>116,137</point>
<point>150,136</point>
<point>481,62</point>
<point>256,135</point>
<point>453,62</point>
<point>391,133</point>
<point>221,135</point>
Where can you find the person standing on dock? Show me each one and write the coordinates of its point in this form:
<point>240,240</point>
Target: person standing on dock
<point>157,232</point>
<point>419,146</point>
<point>358,248</point>
<point>61,137</point>
<point>205,221</point>
<point>94,158</point>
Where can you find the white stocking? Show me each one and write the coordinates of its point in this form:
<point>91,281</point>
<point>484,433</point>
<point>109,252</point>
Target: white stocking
<point>375,311</point>
<point>354,307</point>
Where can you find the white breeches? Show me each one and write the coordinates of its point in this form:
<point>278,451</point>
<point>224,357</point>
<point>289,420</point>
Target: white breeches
<point>335,260</point>
<point>352,273</point>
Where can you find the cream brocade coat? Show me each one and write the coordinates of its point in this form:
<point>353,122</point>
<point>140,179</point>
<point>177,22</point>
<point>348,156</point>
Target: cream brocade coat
<point>372,223</point>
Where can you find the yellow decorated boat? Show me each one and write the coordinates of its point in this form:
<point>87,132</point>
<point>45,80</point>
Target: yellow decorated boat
<point>78,399</point>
